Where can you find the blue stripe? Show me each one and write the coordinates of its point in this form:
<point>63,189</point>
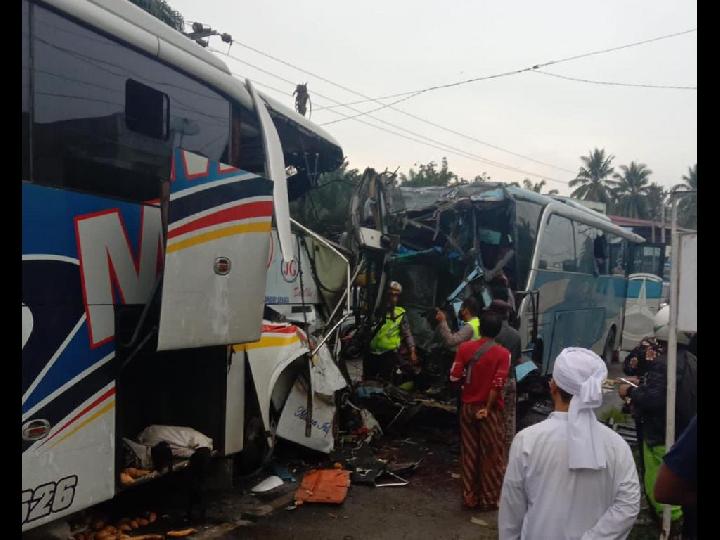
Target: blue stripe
<point>223,194</point>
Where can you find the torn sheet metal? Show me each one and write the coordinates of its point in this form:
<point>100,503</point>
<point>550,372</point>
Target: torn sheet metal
<point>292,420</point>
<point>326,377</point>
<point>278,347</point>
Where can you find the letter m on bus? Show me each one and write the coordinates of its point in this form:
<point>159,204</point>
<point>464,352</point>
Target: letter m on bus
<point>111,272</point>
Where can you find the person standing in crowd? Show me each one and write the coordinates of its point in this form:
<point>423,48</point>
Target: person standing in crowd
<point>569,476</point>
<point>470,330</point>
<point>648,403</point>
<point>677,479</point>
<point>510,339</point>
<point>393,332</point>
<point>482,366</point>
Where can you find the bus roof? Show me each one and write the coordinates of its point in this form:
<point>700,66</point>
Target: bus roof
<point>129,23</point>
<point>425,198</point>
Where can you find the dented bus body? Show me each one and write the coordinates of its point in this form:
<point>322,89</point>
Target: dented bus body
<point>148,205</point>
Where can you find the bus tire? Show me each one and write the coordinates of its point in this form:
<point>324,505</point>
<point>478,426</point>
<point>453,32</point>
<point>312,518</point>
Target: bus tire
<point>609,347</point>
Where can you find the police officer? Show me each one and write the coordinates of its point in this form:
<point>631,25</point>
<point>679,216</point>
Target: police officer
<point>392,338</point>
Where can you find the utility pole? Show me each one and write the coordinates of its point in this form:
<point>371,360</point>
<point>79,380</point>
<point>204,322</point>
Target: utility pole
<point>671,356</point>
<point>672,346</point>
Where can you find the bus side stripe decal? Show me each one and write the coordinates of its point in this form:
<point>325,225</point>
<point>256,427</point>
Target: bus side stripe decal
<point>261,227</point>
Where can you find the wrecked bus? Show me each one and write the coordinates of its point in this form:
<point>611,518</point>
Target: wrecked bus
<point>147,205</point>
<point>563,267</point>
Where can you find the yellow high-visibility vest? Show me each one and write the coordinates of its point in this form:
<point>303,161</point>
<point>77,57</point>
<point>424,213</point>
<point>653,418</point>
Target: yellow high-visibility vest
<point>475,323</point>
<point>388,337</point>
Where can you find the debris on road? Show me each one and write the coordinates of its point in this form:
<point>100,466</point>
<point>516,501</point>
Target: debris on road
<point>323,486</point>
<point>271,482</point>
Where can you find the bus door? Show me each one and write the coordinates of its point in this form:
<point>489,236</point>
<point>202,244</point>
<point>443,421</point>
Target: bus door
<point>216,256</point>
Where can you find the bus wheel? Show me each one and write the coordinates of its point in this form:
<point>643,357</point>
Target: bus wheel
<point>609,347</point>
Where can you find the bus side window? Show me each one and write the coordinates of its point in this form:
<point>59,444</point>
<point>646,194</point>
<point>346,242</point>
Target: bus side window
<point>585,237</point>
<point>557,245</point>
<point>246,147</point>
<point>106,117</point>
<point>147,110</point>
<point>617,251</point>
<point>25,127</point>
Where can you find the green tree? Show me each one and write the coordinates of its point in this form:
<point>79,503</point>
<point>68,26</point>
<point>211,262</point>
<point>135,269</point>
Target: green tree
<point>429,175</point>
<point>630,189</point>
<point>656,197</point>
<point>687,205</point>
<point>538,186</point>
<point>162,10</point>
<point>325,208</point>
<point>592,180</point>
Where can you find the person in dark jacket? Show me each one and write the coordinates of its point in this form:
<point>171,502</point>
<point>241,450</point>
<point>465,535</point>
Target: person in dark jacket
<point>648,404</point>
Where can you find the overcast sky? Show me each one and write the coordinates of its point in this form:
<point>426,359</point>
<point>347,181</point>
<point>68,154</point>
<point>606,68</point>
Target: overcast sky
<point>385,47</point>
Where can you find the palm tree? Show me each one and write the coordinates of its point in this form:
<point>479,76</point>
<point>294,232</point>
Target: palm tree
<point>656,201</point>
<point>592,178</point>
<point>537,187</point>
<point>630,189</point>
<point>687,205</point>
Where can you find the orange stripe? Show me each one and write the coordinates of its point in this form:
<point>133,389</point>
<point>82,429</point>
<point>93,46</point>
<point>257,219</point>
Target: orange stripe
<point>84,423</point>
<point>262,227</point>
<point>86,409</point>
<point>270,341</point>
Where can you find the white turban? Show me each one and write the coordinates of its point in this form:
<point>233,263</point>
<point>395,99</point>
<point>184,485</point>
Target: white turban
<point>581,372</point>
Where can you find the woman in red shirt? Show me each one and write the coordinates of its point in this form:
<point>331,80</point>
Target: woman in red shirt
<point>482,365</point>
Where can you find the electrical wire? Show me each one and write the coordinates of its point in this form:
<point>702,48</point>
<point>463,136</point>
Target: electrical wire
<point>523,70</point>
<point>413,135</point>
<point>608,83</point>
<point>414,116</point>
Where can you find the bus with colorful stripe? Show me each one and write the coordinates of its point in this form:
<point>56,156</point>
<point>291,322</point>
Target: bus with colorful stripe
<point>151,178</point>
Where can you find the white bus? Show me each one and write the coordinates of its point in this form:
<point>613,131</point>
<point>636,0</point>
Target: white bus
<point>147,214</point>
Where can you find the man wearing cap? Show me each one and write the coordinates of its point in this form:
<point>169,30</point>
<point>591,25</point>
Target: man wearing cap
<point>392,333</point>
<point>570,476</point>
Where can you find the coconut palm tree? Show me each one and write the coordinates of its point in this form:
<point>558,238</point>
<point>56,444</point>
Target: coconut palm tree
<point>687,205</point>
<point>656,201</point>
<point>630,189</point>
<point>591,182</point>
<point>538,186</point>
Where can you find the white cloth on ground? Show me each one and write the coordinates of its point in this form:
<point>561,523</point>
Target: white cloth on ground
<point>581,373</point>
<point>543,499</point>
<point>183,441</point>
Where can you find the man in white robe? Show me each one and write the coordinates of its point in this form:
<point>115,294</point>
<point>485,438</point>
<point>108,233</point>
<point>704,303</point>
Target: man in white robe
<point>570,477</point>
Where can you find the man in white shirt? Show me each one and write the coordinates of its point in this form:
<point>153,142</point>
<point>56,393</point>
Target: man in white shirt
<point>570,477</point>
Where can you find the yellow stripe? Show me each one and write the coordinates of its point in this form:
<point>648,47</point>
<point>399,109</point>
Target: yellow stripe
<point>261,227</point>
<point>85,422</point>
<point>267,342</point>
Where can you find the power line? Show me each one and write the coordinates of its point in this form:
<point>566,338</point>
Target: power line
<point>415,137</point>
<point>416,117</point>
<point>608,83</point>
<point>532,68</point>
<point>523,70</point>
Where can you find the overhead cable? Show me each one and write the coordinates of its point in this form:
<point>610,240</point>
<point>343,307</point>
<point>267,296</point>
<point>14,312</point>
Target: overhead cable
<point>609,83</point>
<point>413,136</point>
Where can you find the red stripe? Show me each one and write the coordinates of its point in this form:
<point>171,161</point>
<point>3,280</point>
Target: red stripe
<point>85,410</point>
<point>242,211</point>
<point>279,329</point>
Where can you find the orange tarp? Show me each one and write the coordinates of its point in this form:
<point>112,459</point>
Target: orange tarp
<point>323,486</point>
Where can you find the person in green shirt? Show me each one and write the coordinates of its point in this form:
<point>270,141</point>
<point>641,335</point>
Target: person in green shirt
<point>392,336</point>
